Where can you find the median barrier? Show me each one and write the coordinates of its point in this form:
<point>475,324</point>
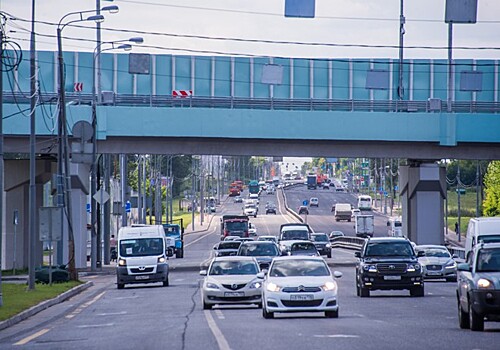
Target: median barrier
<point>354,243</point>
<point>290,211</point>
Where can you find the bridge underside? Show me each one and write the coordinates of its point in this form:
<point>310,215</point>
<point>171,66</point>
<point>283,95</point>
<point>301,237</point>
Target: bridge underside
<point>271,147</point>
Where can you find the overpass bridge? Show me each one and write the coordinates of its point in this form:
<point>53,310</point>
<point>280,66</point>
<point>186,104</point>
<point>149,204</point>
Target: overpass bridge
<point>314,107</point>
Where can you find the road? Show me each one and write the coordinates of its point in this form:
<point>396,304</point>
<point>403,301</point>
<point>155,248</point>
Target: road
<point>155,317</point>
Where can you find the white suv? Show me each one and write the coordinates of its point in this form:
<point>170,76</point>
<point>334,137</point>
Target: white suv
<point>314,202</point>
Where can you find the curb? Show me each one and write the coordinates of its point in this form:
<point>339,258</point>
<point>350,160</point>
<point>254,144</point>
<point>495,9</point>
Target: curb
<point>45,305</point>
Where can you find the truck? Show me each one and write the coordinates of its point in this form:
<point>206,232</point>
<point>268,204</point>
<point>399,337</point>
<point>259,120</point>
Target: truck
<point>234,190</point>
<point>395,227</point>
<point>364,225</point>
<point>294,231</point>
<point>234,225</point>
<point>253,187</point>
<point>175,239</point>
<point>311,182</point>
<point>141,255</point>
<point>343,211</point>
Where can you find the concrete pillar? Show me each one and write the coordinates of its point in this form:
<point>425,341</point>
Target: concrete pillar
<point>423,188</point>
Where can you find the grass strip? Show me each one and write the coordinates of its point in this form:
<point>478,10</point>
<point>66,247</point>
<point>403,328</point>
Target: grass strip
<point>16,297</point>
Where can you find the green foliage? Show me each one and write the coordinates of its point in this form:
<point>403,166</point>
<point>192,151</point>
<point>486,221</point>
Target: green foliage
<point>491,204</point>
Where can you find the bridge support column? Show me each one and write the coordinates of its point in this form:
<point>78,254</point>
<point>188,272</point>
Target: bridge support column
<point>423,188</point>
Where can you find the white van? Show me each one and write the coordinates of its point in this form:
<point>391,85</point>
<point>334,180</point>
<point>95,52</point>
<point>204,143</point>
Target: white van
<point>485,229</point>
<point>395,227</point>
<point>141,255</point>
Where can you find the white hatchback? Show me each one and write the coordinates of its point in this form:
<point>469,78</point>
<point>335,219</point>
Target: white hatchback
<point>299,284</point>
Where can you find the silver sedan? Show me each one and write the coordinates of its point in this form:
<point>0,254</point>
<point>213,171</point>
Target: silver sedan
<point>437,262</point>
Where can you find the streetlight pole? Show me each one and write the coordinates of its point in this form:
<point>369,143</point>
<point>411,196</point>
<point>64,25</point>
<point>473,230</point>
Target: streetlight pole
<point>63,175</point>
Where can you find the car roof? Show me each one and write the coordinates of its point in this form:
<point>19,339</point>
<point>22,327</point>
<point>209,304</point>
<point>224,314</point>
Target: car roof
<point>388,239</point>
<point>234,258</point>
<point>431,246</point>
<point>298,257</point>
<point>256,242</point>
<point>488,246</point>
<point>318,233</point>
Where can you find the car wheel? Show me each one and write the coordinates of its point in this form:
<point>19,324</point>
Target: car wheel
<point>120,285</point>
<point>332,314</point>
<point>463,317</point>
<point>259,305</point>
<point>476,321</point>
<point>255,216</point>
<point>178,254</point>
<point>166,283</point>
<point>451,279</point>
<point>207,306</point>
<point>417,291</point>
<point>329,254</point>
<point>364,292</point>
<point>267,315</point>
<point>358,293</point>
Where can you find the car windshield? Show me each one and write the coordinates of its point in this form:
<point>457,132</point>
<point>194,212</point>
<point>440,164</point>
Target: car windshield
<point>489,238</point>
<point>302,267</point>
<point>141,247</point>
<point>438,253</point>
<point>229,245</point>
<point>389,249</point>
<point>320,238</point>
<point>236,225</point>
<point>258,250</point>
<point>295,234</point>
<point>303,247</point>
<point>488,260</point>
<point>234,268</point>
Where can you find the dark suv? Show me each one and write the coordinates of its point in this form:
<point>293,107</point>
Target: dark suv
<point>388,263</point>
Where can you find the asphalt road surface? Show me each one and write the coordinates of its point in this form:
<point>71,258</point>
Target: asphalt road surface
<point>155,317</point>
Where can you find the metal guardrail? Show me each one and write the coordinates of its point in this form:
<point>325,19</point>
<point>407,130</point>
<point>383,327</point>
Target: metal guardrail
<point>353,243</point>
<point>266,103</point>
<point>458,251</point>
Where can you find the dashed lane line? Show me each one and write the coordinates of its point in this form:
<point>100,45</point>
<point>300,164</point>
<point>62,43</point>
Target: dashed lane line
<point>219,337</point>
<point>26,340</point>
<point>219,314</point>
<point>84,306</point>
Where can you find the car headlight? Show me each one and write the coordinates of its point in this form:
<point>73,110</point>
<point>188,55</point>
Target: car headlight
<point>413,268</point>
<point>273,287</point>
<point>370,268</point>
<point>255,285</point>
<point>451,265</point>
<point>161,260</point>
<point>483,283</point>
<point>210,285</point>
<point>328,245</point>
<point>329,286</point>
<point>122,262</point>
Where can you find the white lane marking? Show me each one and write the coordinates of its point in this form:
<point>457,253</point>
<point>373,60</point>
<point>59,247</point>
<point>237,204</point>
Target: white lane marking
<point>96,325</point>
<point>337,336</point>
<point>113,313</point>
<point>85,305</point>
<point>33,336</point>
<point>131,297</point>
<point>219,337</point>
<point>219,314</point>
<point>200,238</point>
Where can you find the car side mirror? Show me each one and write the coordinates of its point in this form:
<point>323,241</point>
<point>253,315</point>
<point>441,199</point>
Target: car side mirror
<point>464,267</point>
<point>420,253</point>
<point>261,275</point>
<point>388,223</point>
<point>357,254</point>
<point>337,274</point>
<point>169,252</point>
<point>215,247</point>
<point>203,272</point>
<point>454,256</point>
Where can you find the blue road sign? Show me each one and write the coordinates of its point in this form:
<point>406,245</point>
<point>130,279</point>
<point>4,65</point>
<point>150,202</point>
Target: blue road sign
<point>305,202</point>
<point>88,207</point>
<point>127,207</point>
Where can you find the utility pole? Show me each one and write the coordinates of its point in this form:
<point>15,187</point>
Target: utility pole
<point>2,22</point>
<point>458,200</point>
<point>477,190</point>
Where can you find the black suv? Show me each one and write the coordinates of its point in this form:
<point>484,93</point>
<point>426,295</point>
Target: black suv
<point>388,263</point>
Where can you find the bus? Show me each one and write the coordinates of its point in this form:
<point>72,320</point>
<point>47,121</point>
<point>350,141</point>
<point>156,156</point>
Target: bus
<point>253,187</point>
<point>364,202</point>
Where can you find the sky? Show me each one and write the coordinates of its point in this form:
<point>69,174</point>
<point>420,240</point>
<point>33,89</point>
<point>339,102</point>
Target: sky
<point>338,22</point>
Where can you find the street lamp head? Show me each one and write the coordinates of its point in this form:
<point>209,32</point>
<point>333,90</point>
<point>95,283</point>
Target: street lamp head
<point>126,47</point>
<point>111,9</point>
<point>136,40</point>
<point>96,18</point>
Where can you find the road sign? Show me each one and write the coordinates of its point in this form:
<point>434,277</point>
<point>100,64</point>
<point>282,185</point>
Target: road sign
<point>182,93</point>
<point>305,202</point>
<point>50,223</point>
<point>101,196</point>
<point>127,206</point>
<point>78,87</point>
<point>88,207</point>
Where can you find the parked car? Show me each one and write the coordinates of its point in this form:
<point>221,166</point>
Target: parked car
<point>300,284</point>
<point>437,262</point>
<point>303,210</point>
<point>231,280</point>
<point>314,202</point>
<point>478,288</point>
<point>322,243</point>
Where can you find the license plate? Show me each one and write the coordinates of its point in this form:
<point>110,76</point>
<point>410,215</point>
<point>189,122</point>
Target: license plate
<point>141,277</point>
<point>432,273</point>
<point>392,278</point>
<point>301,297</point>
<point>234,294</point>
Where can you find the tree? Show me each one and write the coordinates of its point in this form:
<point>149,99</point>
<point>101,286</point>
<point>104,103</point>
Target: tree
<point>491,204</point>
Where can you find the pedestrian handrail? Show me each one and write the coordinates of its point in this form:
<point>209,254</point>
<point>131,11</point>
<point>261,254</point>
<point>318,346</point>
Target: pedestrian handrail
<point>457,251</point>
